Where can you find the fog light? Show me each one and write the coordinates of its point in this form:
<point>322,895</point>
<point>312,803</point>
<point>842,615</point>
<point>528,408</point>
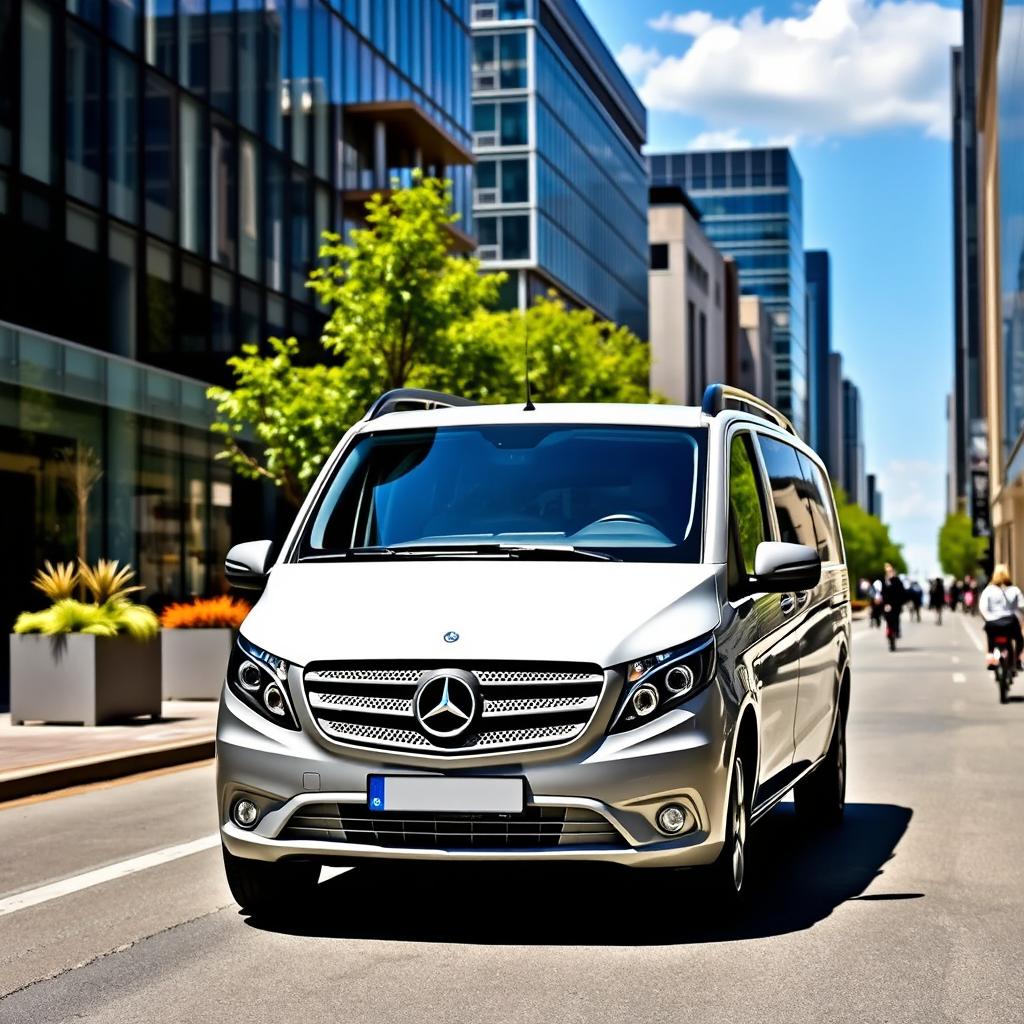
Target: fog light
<point>245,813</point>
<point>679,679</point>
<point>273,699</point>
<point>672,819</point>
<point>645,700</point>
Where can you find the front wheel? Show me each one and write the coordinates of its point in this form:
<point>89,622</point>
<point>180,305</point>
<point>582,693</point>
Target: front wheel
<point>1003,679</point>
<point>728,875</point>
<point>266,889</point>
<point>821,797</point>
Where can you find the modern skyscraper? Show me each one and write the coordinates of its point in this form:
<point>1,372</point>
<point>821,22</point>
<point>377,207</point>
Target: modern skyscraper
<point>687,300</point>
<point>751,204</point>
<point>165,172</point>
<point>819,345</point>
<point>836,432</point>
<point>854,478</point>
<point>560,193</point>
<point>969,410</point>
<point>874,496</point>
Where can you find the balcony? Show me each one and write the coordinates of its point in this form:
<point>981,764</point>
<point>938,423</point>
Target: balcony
<point>407,124</point>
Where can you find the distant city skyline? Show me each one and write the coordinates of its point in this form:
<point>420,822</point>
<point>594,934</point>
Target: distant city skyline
<point>877,186</point>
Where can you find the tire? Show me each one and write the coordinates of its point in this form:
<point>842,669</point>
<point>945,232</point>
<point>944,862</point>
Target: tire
<point>729,875</point>
<point>272,890</point>
<point>821,797</point>
<point>1003,679</point>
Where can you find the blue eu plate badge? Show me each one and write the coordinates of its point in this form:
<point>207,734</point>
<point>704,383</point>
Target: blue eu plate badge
<point>376,793</point>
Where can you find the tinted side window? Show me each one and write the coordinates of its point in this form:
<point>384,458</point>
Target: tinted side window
<point>819,493</point>
<point>746,507</point>
<point>789,493</point>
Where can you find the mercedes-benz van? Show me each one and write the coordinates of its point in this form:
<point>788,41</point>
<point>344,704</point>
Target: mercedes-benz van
<point>600,632</point>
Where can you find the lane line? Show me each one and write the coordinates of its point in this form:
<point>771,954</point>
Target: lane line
<point>973,634</point>
<point>959,677</point>
<point>86,880</point>
<point>956,659</point>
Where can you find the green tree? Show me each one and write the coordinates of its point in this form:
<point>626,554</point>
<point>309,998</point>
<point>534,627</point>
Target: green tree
<point>280,421</point>
<point>404,312</point>
<point>866,540</point>
<point>960,552</point>
<point>395,289</point>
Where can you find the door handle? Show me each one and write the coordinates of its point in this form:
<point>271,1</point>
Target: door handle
<point>787,604</point>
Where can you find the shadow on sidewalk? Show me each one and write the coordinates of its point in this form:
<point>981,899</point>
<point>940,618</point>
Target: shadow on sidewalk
<point>799,878</point>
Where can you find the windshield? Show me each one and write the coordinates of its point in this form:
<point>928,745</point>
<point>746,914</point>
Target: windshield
<point>632,493</point>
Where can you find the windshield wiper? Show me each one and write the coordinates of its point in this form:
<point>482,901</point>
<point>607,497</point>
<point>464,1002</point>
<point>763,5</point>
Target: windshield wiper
<point>540,552</point>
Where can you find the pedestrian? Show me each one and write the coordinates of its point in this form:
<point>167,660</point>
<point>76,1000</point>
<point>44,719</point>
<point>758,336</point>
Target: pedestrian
<point>876,604</point>
<point>893,597</point>
<point>937,598</point>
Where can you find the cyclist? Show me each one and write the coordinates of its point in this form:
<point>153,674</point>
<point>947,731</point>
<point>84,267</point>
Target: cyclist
<point>1001,607</point>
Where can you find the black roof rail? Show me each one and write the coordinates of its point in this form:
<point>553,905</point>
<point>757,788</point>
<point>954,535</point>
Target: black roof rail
<point>409,399</point>
<point>719,397</point>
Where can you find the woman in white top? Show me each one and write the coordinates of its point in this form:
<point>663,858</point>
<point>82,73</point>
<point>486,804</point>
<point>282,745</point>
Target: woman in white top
<point>1001,606</point>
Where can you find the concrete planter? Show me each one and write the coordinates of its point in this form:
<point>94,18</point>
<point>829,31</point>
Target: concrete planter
<point>193,662</point>
<point>77,677</point>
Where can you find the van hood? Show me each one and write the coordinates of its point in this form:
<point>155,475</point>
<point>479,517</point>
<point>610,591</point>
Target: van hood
<point>595,612</point>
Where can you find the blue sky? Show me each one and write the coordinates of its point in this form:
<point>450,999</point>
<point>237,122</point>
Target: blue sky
<point>860,91</point>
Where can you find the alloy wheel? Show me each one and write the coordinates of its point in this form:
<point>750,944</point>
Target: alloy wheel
<point>739,827</point>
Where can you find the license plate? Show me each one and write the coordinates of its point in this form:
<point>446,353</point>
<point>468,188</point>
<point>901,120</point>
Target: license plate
<point>434,793</point>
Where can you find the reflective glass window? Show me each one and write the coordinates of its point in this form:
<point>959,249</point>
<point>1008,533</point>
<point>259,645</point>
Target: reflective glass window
<point>487,230</point>
<point>222,55</point>
<point>193,53</point>
<point>87,10</point>
<point>250,21</point>
<point>193,309</point>
<point>159,157</point>
<point>514,124</point>
<point>789,492</point>
<point>159,314</point>
<point>300,104</point>
<point>273,234</point>
<point>82,116</point>
<point>36,91</point>
<point>483,117</point>
<point>8,86</point>
<point>122,137</point>
<point>319,86</point>
<point>486,174</point>
<point>249,330</point>
<point>515,238</point>
<point>223,195</point>
<point>515,181</point>
<point>819,495</point>
<point>222,307</point>
<point>159,35</point>
<point>275,87</point>
<point>512,55</point>
<point>193,176</point>
<point>659,256</point>
<point>249,206</point>
<point>121,291</point>
<point>748,521</point>
<point>302,249</point>
<point>123,22</point>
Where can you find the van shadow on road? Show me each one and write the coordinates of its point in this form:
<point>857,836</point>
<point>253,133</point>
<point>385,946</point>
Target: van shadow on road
<point>799,879</point>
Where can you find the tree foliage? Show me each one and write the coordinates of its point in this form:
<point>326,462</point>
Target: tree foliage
<point>405,312</point>
<point>867,541</point>
<point>960,552</point>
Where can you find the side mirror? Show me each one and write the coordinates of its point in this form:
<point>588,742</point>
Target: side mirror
<point>247,565</point>
<point>780,568</point>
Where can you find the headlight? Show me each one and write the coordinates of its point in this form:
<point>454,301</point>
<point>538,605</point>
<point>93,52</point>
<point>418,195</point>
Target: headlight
<point>659,682</point>
<point>259,680</point>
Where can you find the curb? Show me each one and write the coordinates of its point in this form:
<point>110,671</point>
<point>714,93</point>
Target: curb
<point>102,768</point>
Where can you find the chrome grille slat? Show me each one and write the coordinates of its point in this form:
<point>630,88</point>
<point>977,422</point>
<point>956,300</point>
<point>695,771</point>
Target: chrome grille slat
<point>536,827</point>
<point>521,706</point>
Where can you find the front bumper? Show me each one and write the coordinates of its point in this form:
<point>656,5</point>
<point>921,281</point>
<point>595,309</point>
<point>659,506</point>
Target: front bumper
<point>625,778</point>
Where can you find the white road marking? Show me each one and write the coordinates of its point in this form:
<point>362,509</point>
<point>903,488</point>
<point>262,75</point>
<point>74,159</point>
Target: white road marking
<point>974,634</point>
<point>76,883</point>
<point>956,659</point>
<point>959,677</point>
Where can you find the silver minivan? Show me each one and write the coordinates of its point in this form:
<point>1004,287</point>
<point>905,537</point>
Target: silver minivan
<point>614,633</point>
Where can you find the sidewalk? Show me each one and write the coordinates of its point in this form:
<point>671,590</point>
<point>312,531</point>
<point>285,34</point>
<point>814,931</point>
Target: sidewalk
<point>39,758</point>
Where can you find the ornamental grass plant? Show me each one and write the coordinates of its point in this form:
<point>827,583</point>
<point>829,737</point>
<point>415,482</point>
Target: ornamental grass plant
<point>223,612</point>
<point>110,612</point>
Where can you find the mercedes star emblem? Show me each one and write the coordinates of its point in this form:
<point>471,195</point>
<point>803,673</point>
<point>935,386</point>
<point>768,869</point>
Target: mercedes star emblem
<point>445,706</point>
<point>450,637</point>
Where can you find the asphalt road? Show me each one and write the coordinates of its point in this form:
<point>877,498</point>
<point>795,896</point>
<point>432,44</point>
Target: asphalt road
<point>912,911</point>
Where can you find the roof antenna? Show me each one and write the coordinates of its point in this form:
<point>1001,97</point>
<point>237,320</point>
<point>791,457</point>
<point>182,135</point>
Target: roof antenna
<point>529,407</point>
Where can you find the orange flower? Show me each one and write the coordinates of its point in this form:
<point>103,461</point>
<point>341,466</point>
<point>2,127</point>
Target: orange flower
<point>206,613</point>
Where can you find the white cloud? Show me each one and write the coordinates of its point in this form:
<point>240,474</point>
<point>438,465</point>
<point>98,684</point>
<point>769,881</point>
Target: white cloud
<point>730,138</point>
<point>636,60</point>
<point>914,505</point>
<point>840,67</point>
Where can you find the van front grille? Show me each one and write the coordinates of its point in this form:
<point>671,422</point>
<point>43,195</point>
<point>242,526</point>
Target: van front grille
<point>534,828</point>
<point>517,707</point>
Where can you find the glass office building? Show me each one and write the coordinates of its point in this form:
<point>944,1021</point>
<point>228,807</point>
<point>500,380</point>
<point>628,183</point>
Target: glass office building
<point>819,345</point>
<point>166,168</point>
<point>751,204</point>
<point>560,190</point>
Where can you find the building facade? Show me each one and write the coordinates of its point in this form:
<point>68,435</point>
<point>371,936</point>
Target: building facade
<point>854,478</point>
<point>874,496</point>
<point>560,192</point>
<point>686,300</point>
<point>968,402</point>
<point>751,204</point>
<point>836,428</point>
<point>819,346</point>
<point>165,172</point>
<point>756,362</point>
<point>1000,92</point>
